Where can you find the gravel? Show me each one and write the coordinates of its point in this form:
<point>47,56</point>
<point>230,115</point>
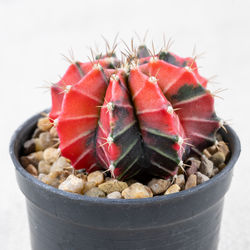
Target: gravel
<point>32,170</point>
<point>173,189</point>
<point>44,124</point>
<point>95,192</point>
<point>201,178</point>
<point>72,184</point>
<point>60,164</point>
<point>218,158</point>
<point>180,180</point>
<point>50,155</point>
<point>42,160</point>
<point>191,181</point>
<point>113,185</point>
<point>114,195</point>
<point>206,167</point>
<point>194,165</point>
<point>44,167</point>
<point>97,177</point>
<point>137,191</point>
<point>159,186</point>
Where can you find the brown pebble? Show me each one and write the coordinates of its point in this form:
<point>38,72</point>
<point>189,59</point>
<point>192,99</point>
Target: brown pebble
<point>194,165</point>
<point>206,153</point>
<point>206,167</point>
<point>29,146</point>
<point>180,180</point>
<point>212,149</point>
<point>97,177</point>
<point>44,123</point>
<point>88,186</point>
<point>114,195</point>
<point>36,133</point>
<point>36,157</point>
<point>159,186</point>
<point>44,141</point>
<point>24,160</point>
<point>222,147</point>
<point>38,145</point>
<point>32,158</point>
<point>218,158</point>
<point>191,181</point>
<point>53,132</point>
<point>95,192</point>
<point>172,189</point>
<point>112,186</point>
<point>137,191</point>
<point>43,167</point>
<point>32,170</point>
<point>201,178</point>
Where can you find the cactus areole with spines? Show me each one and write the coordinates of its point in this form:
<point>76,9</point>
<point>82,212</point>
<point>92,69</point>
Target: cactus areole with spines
<point>144,116</point>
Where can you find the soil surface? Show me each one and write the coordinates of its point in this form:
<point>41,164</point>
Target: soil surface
<point>42,159</point>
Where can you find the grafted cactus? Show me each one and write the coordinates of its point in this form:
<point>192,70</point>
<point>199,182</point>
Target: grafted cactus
<point>143,116</point>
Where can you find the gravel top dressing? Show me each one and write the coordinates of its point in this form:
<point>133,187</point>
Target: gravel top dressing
<point>43,160</point>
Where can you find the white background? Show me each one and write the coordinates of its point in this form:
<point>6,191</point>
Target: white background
<point>33,34</point>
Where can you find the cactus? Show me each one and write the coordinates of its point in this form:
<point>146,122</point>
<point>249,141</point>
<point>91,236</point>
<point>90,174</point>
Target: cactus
<point>118,139</point>
<point>143,116</point>
<point>75,72</point>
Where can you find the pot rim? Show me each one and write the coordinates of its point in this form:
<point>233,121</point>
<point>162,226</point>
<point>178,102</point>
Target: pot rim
<point>98,201</point>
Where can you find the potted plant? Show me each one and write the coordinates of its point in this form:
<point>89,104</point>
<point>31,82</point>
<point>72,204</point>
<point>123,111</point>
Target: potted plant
<point>143,128</point>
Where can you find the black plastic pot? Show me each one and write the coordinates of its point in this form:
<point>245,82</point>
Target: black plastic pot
<point>186,220</point>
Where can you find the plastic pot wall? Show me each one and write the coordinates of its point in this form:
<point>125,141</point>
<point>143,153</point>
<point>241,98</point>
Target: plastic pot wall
<point>186,220</point>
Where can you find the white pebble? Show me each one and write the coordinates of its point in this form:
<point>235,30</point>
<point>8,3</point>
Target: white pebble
<point>43,167</point>
<point>114,195</point>
<point>72,184</point>
<point>44,124</point>
<point>50,179</point>
<point>96,177</point>
<point>60,164</point>
<point>44,141</point>
<point>137,191</point>
<point>50,155</point>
